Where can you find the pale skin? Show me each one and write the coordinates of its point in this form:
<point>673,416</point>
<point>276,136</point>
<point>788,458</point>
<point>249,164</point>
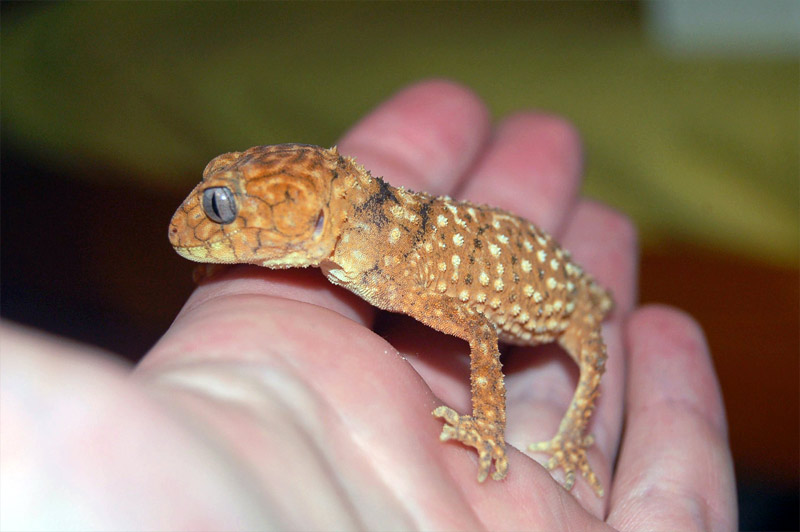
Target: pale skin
<point>271,403</point>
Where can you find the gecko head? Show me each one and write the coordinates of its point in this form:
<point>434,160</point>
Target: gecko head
<point>273,206</point>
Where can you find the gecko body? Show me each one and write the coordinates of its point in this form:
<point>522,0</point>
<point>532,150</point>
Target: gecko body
<point>475,272</point>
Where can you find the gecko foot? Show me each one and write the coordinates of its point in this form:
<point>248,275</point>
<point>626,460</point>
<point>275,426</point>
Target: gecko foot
<point>568,451</point>
<point>486,437</point>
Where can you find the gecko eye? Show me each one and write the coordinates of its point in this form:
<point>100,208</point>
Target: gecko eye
<point>218,205</point>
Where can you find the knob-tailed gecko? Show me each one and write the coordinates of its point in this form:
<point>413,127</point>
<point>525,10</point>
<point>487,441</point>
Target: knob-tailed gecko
<point>475,272</point>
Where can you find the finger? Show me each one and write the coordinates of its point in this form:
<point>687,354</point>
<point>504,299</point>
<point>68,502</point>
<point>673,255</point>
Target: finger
<point>423,138</point>
<point>675,470</point>
<point>532,168</point>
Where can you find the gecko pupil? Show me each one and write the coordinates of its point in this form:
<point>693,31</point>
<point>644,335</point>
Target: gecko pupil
<point>320,225</point>
<point>218,204</point>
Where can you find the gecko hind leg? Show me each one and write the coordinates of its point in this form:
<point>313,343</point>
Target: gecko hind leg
<point>568,447</point>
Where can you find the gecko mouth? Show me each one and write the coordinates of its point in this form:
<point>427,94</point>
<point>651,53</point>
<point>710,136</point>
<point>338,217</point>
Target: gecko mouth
<point>217,250</point>
<point>203,254</point>
<point>223,251</point>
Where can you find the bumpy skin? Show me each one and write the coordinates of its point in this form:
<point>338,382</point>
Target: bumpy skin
<point>471,271</point>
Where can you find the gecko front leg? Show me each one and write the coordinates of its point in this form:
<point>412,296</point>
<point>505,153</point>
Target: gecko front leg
<point>484,429</point>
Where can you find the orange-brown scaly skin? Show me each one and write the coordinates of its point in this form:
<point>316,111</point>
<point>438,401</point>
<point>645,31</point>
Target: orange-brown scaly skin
<point>471,271</point>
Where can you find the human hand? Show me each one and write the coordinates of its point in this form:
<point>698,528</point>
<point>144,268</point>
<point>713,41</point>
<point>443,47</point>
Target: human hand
<point>271,403</point>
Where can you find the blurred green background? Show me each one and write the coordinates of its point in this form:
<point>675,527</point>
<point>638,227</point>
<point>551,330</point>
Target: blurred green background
<point>111,110</point>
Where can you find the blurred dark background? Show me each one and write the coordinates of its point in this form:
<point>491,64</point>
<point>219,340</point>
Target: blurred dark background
<point>689,112</point>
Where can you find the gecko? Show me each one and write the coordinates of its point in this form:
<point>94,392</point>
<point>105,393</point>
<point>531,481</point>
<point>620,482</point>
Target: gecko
<point>475,272</point>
